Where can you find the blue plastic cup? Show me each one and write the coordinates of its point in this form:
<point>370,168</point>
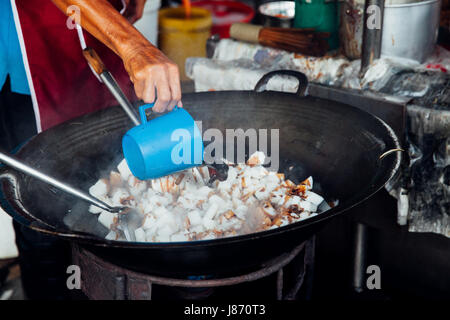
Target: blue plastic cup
<point>169,143</point>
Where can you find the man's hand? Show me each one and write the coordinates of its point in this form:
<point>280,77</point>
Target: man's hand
<point>151,70</point>
<point>134,10</point>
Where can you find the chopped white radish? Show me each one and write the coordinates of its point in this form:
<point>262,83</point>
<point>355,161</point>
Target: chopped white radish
<point>184,206</point>
<point>94,209</point>
<point>124,170</point>
<point>100,189</point>
<point>194,217</point>
<point>112,235</point>
<point>313,197</point>
<point>107,218</point>
<point>139,233</point>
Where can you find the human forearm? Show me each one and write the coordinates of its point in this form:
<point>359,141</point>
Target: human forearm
<point>149,68</point>
<point>106,24</point>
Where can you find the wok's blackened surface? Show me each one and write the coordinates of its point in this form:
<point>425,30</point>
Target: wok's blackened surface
<point>337,144</point>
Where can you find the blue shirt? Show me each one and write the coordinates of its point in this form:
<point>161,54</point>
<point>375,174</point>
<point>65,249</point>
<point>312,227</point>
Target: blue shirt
<point>11,62</point>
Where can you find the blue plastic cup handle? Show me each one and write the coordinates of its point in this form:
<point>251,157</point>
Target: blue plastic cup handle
<point>148,147</point>
<point>144,107</point>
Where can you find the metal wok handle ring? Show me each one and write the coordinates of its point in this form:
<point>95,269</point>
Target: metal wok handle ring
<point>10,178</point>
<point>383,155</point>
<point>302,80</point>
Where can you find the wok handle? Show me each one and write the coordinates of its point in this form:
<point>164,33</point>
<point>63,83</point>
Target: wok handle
<point>302,80</point>
<point>384,154</point>
<point>22,167</point>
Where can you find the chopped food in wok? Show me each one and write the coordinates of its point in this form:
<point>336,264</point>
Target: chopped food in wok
<point>185,207</point>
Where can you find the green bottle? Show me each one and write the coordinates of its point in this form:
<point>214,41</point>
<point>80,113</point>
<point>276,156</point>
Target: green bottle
<point>322,15</point>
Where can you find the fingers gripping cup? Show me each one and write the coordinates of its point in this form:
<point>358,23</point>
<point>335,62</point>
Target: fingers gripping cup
<point>169,143</point>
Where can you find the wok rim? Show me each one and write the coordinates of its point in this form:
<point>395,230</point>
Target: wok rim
<point>90,239</point>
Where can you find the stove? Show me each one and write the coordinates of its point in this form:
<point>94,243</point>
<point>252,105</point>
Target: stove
<point>287,277</point>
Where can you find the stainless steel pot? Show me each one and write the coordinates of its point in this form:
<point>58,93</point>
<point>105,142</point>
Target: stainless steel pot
<point>410,28</point>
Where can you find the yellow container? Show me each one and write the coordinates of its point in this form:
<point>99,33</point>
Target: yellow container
<point>180,37</point>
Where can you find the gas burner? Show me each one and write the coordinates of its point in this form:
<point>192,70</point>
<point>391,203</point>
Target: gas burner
<point>102,280</point>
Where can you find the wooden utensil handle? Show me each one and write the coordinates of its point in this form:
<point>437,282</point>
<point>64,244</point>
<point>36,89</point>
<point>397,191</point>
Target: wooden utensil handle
<point>94,60</point>
<point>245,32</point>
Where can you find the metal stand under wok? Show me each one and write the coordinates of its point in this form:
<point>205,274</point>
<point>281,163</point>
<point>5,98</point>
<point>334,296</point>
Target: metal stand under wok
<point>102,280</point>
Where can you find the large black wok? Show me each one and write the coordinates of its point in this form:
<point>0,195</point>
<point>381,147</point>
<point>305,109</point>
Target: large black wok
<point>340,146</point>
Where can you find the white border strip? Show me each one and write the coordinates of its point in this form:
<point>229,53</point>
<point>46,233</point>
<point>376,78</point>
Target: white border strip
<point>27,66</point>
<point>124,7</point>
<point>81,37</point>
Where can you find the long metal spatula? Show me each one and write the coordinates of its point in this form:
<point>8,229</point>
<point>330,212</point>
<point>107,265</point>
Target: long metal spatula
<point>97,65</point>
<point>129,218</point>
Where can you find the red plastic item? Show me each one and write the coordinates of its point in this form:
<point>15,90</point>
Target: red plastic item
<point>225,13</point>
<point>436,66</point>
